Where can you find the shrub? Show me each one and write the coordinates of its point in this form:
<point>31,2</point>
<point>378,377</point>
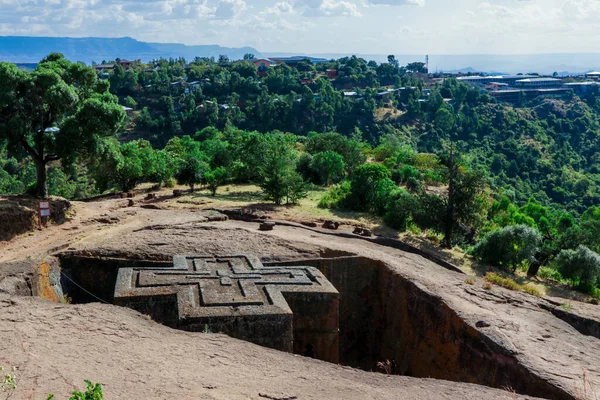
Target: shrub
<point>370,188</point>
<point>8,381</point>
<point>383,190</point>
<point>93,392</point>
<point>549,274</point>
<point>288,185</point>
<point>470,281</point>
<point>336,196</point>
<point>296,189</point>
<point>215,178</point>
<point>580,266</point>
<point>169,183</point>
<point>509,246</point>
<point>401,206</point>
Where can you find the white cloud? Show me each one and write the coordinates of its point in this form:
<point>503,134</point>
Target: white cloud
<point>385,26</point>
<point>394,2</point>
<point>228,9</point>
<point>282,7</point>
<point>328,8</point>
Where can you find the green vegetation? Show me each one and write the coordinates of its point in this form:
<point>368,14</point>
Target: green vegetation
<point>510,284</point>
<point>581,267</point>
<point>93,392</point>
<point>510,246</point>
<point>57,112</point>
<point>8,380</point>
<point>499,280</point>
<point>517,185</point>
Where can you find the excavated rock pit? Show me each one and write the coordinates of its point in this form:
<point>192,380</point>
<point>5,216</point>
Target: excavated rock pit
<point>387,323</point>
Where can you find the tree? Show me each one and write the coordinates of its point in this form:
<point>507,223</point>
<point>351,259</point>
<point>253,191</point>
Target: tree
<point>444,119</point>
<point>350,149</point>
<point>401,207</point>
<point>465,203</point>
<point>194,170</point>
<point>417,67</point>
<point>125,165</point>
<point>329,165</point>
<point>249,56</point>
<point>58,111</point>
<point>393,61</point>
<point>215,178</point>
<point>279,177</point>
<point>509,246</point>
<point>370,187</point>
<point>581,266</point>
<point>223,60</point>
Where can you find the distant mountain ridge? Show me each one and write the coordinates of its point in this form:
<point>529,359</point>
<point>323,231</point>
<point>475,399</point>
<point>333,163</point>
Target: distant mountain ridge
<point>31,49</point>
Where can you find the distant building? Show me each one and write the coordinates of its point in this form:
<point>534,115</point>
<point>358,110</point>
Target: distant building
<point>263,65</point>
<point>104,67</point>
<point>293,61</point>
<point>593,75</point>
<point>126,64</point>
<point>538,83</point>
<point>331,74</point>
<point>513,95</point>
<point>581,87</point>
<point>496,86</point>
<point>477,80</point>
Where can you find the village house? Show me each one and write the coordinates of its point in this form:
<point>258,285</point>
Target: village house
<point>263,64</point>
<point>126,64</point>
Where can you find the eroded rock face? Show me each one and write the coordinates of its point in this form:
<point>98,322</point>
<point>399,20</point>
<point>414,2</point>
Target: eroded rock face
<point>16,286</point>
<point>19,214</point>
<point>385,318</point>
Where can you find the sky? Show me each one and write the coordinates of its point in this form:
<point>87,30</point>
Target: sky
<point>323,26</point>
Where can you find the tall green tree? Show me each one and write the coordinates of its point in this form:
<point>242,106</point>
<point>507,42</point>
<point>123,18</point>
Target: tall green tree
<point>329,165</point>
<point>193,168</point>
<point>279,177</point>
<point>465,203</point>
<point>58,111</point>
<point>215,178</point>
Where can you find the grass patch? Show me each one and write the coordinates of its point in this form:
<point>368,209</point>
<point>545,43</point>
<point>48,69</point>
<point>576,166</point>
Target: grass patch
<point>499,280</point>
<point>531,290</point>
<point>470,281</point>
<point>566,306</point>
<point>508,283</point>
<point>246,195</point>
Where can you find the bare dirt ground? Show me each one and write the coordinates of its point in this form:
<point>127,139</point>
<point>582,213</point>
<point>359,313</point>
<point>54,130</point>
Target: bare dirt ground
<point>56,346</point>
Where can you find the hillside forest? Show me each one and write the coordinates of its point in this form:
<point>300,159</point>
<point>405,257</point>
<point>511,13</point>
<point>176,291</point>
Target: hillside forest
<point>514,185</point>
